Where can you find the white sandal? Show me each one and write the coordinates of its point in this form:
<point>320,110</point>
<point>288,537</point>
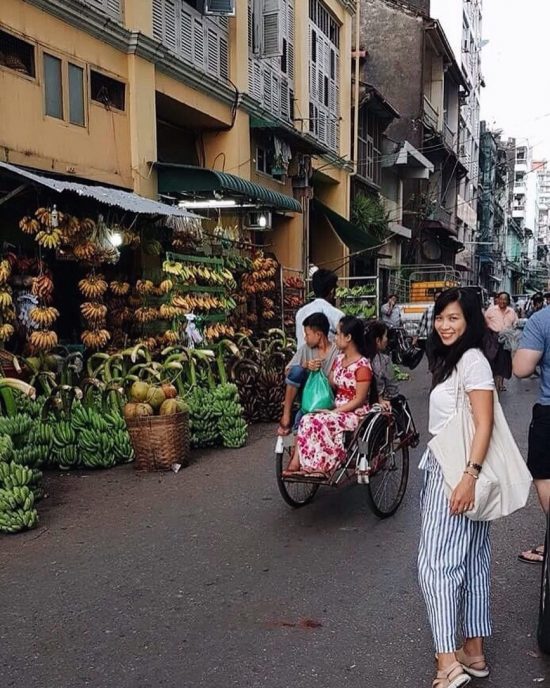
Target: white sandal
<point>468,664</point>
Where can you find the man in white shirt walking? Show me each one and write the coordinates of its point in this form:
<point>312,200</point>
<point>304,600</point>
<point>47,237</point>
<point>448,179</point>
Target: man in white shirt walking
<point>323,284</point>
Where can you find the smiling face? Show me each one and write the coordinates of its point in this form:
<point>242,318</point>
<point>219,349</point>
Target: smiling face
<point>450,324</point>
<point>502,301</point>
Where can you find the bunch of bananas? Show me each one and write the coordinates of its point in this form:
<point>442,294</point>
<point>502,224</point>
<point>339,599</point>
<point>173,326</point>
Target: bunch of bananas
<point>5,271</point>
<point>96,448</point>
<point>43,340</point>
<point>203,420</point>
<point>6,448</point>
<point>6,300</point>
<point>217,331</point>
<point>87,225</point>
<point>44,316</point>
<point>49,238</point>
<point>85,251</point>
<point>6,331</point>
<point>19,424</point>
<point>145,287</point>
<point>18,519</point>
<point>29,225</point>
<point>146,314</point>
<point>71,226</point>
<point>93,286</point>
<point>119,288</point>
<point>96,427</point>
<point>168,312</point>
<point>171,337</point>
<point>30,455</point>
<point>17,497</point>
<point>198,302</point>
<point>166,286</point>
<point>93,311</point>
<point>42,287</point>
<point>265,268</point>
<point>14,475</point>
<point>232,427</point>
<point>95,339</point>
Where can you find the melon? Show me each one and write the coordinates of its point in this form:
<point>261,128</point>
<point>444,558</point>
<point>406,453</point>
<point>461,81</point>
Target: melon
<point>169,407</point>
<point>139,391</point>
<point>182,405</point>
<point>144,410</point>
<point>155,397</point>
<point>170,392</point>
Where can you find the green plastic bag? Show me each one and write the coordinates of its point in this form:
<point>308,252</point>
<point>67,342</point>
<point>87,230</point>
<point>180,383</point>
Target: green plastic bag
<point>317,394</point>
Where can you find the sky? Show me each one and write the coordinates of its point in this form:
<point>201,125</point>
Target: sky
<point>516,67</point>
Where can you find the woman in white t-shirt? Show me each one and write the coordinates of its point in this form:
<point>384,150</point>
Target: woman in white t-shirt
<point>454,553</point>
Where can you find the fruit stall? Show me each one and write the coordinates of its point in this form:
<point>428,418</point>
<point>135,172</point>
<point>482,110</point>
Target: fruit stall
<point>129,331</point>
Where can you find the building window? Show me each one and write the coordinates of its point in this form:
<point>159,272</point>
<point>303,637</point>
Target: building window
<point>16,54</point>
<point>64,90</point>
<point>53,86</point>
<point>266,163</point>
<point>76,95</point>
<point>107,91</point>
<point>369,144</point>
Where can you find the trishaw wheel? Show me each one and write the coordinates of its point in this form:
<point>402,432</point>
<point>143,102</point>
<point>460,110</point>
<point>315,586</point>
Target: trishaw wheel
<point>389,466</point>
<point>296,494</point>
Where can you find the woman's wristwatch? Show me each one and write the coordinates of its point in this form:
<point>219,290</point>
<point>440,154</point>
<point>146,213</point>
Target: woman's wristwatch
<point>475,466</point>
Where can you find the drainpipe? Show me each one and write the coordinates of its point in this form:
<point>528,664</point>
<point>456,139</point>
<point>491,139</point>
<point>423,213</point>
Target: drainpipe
<point>356,86</point>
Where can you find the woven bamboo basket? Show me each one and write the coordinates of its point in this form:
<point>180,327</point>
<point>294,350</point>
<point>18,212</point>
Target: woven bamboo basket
<point>159,441</point>
<point>7,366</point>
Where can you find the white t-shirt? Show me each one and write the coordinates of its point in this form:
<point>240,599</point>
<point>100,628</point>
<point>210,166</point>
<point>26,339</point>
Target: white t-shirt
<point>333,314</point>
<point>477,375</point>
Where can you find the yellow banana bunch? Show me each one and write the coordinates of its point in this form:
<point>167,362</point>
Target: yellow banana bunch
<point>6,331</point>
<point>49,239</point>
<point>43,340</point>
<point>44,316</point>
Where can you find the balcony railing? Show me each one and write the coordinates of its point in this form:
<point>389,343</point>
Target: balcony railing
<point>431,115</point>
<point>197,39</point>
<point>449,136</point>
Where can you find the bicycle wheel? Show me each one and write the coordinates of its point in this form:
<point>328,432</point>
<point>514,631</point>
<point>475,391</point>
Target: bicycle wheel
<point>296,494</point>
<point>389,468</point>
<point>543,628</point>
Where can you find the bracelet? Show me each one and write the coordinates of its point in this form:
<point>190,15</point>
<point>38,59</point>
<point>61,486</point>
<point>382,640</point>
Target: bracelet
<point>473,475</point>
<point>476,466</point>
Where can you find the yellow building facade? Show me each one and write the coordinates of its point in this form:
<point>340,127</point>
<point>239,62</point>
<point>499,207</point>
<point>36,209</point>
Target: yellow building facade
<point>147,94</point>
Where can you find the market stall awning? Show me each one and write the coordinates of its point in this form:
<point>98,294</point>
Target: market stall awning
<point>198,183</point>
<point>126,200</point>
<point>353,237</point>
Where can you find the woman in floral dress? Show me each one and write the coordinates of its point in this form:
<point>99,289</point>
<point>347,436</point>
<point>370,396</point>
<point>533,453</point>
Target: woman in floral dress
<point>320,439</point>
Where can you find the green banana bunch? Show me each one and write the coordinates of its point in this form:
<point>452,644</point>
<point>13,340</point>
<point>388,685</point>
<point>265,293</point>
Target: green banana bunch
<point>28,406</point>
<point>12,475</point>
<point>17,497</point>
<point>96,448</point>
<point>122,448</point>
<point>232,427</point>
<point>63,434</point>
<point>19,424</point>
<point>18,519</point>
<point>234,432</point>
<point>203,418</point>
<point>6,448</point>
<point>66,456</point>
<point>31,455</point>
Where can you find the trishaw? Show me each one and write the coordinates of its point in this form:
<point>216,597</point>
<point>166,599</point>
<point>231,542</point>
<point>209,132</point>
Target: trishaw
<point>377,459</point>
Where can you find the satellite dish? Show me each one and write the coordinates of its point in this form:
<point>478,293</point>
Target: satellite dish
<point>431,250</point>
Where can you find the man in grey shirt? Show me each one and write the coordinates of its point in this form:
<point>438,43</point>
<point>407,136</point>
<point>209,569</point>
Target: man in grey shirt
<point>391,312</point>
<point>318,353</point>
<point>534,349</point>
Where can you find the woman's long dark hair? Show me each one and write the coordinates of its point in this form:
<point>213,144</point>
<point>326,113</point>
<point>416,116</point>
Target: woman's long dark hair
<point>375,330</point>
<point>355,328</point>
<point>444,359</point>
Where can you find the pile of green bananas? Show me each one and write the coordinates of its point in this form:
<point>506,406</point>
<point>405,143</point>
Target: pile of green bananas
<point>28,406</point>
<point>17,425</point>
<point>232,426</point>
<point>17,497</point>
<point>6,448</point>
<point>203,418</point>
<point>31,455</point>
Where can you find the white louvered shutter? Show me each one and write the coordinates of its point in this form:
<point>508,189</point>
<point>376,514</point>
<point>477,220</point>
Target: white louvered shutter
<point>198,43</point>
<point>212,53</point>
<point>170,39</point>
<point>114,9</point>
<point>272,38</point>
<point>224,59</point>
<point>223,7</point>
<point>186,35</point>
<point>158,21</point>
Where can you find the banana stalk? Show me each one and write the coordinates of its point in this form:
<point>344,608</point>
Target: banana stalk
<point>9,385</point>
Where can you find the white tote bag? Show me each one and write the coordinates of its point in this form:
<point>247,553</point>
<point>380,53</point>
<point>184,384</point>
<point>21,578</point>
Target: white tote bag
<point>504,483</point>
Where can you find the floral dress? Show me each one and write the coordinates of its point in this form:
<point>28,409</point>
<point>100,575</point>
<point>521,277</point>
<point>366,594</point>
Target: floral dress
<point>320,436</point>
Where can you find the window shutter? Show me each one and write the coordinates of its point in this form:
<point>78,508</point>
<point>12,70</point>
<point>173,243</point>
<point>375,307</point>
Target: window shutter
<point>198,43</point>
<point>186,35</point>
<point>170,34</point>
<point>290,39</point>
<point>114,9</point>
<point>212,52</point>
<point>158,20</point>
<point>285,99</point>
<point>272,29</point>
<point>224,59</point>
<point>267,95</point>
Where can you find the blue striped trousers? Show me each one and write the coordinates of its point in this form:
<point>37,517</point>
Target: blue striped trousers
<point>454,562</point>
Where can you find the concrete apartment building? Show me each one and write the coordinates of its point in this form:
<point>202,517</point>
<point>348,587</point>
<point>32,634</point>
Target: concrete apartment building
<point>410,61</point>
<point>462,22</point>
<point>242,100</point>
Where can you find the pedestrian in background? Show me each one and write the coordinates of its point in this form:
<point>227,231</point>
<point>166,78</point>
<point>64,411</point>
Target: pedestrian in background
<point>323,284</point>
<point>426,325</point>
<point>391,312</point>
<point>534,350</point>
<point>454,553</point>
<point>547,299</point>
<point>537,304</point>
<point>501,317</point>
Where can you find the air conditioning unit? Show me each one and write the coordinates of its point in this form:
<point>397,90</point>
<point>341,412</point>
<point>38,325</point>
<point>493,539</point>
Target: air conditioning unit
<point>259,220</point>
<point>219,8</point>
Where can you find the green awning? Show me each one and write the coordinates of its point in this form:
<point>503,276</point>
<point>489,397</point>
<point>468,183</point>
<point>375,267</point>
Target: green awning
<point>200,183</point>
<point>353,237</point>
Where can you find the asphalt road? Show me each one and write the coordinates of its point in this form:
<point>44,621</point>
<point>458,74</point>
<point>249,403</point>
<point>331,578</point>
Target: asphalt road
<point>207,579</point>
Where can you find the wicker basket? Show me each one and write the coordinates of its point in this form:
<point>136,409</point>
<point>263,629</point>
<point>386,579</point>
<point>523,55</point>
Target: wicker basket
<point>7,366</point>
<point>159,441</point>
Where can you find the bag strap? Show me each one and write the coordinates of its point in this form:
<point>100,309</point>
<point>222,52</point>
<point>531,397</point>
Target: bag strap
<point>459,384</point>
